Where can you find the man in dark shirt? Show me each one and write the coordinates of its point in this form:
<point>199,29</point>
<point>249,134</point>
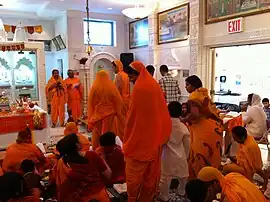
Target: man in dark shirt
<point>266,107</point>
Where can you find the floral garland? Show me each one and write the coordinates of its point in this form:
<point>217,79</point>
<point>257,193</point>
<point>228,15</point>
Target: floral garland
<point>38,120</point>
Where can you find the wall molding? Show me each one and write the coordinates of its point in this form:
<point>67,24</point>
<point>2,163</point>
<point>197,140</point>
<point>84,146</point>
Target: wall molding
<point>253,36</point>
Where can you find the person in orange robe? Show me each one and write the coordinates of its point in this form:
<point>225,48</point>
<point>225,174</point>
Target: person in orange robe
<point>72,128</point>
<point>21,150</point>
<point>58,91</point>
<point>78,176</point>
<point>206,128</point>
<point>104,108</point>
<point>248,160</point>
<point>75,95</point>
<point>234,186</point>
<point>148,127</point>
<point>122,83</point>
<point>113,156</point>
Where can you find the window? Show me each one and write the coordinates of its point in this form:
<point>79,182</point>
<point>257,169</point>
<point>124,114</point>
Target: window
<point>18,74</point>
<point>101,32</point>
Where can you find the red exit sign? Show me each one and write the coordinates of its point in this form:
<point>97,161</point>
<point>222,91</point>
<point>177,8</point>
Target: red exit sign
<point>235,25</point>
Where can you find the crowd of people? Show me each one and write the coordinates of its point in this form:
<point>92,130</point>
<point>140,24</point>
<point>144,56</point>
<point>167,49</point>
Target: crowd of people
<point>161,140</point>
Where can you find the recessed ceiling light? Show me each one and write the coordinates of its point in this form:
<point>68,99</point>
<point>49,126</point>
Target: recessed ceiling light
<point>109,8</point>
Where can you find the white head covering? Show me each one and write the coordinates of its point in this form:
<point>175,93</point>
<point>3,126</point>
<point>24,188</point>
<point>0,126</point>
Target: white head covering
<point>256,100</point>
<point>255,117</point>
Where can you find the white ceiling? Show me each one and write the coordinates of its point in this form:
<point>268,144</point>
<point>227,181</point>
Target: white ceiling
<point>51,9</point>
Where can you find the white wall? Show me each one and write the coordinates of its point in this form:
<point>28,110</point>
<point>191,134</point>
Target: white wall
<point>76,36</point>
<point>175,55</point>
<point>256,28</point>
<point>61,28</point>
<point>47,26</point>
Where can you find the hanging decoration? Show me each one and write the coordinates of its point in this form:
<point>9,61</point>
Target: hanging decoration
<point>89,48</point>
<point>11,46</point>
<point>29,29</point>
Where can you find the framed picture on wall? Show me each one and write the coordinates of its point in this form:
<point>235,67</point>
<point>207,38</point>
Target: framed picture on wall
<point>173,24</point>
<point>220,10</point>
<point>138,33</point>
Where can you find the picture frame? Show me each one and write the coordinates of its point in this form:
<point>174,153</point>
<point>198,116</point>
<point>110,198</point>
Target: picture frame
<point>173,24</point>
<point>233,9</point>
<point>138,33</point>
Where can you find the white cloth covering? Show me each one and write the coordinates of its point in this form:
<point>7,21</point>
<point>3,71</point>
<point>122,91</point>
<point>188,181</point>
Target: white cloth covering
<point>255,118</point>
<point>174,163</point>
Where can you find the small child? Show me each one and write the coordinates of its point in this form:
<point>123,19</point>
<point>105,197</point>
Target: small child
<point>174,163</point>
<point>114,157</point>
<point>266,107</point>
<point>31,178</point>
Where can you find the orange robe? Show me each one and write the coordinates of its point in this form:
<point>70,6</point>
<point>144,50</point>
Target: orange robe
<point>123,85</point>
<point>148,128</point>
<point>104,108</point>
<point>16,153</point>
<point>249,159</point>
<point>235,187</point>
<point>26,199</point>
<point>83,140</point>
<point>206,134</point>
<point>75,96</point>
<point>59,98</point>
<point>81,182</point>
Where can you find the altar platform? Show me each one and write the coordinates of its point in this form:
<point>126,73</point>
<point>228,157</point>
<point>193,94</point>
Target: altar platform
<point>12,123</point>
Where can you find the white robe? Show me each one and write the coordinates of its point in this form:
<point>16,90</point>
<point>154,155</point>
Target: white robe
<point>176,151</point>
<point>255,118</point>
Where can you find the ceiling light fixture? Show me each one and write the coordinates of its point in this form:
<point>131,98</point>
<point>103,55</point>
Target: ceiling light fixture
<point>109,8</point>
<point>137,12</point>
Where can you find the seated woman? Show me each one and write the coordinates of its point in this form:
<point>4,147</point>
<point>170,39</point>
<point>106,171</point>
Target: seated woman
<point>114,157</point>
<point>79,176</point>
<point>13,188</point>
<point>21,150</point>
<point>71,128</point>
<point>255,117</point>
<point>233,187</point>
<point>248,160</point>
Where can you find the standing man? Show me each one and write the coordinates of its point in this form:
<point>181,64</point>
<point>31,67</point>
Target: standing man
<point>169,86</point>
<point>58,92</point>
<point>122,84</point>
<point>148,127</point>
<point>75,95</point>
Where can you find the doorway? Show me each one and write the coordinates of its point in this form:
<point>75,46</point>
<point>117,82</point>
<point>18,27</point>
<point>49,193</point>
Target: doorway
<point>240,70</point>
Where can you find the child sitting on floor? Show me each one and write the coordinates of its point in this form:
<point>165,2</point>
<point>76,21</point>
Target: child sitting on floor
<point>113,155</point>
<point>175,153</point>
<point>31,178</point>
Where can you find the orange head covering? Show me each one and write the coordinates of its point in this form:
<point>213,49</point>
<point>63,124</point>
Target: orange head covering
<point>104,98</point>
<point>119,65</point>
<point>24,136</point>
<point>235,187</point>
<point>148,120</point>
<point>71,128</point>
